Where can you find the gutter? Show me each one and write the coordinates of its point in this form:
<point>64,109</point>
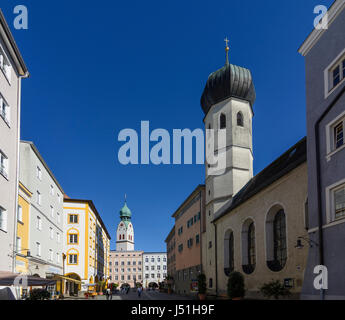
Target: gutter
<point>318,177</point>
<point>19,103</point>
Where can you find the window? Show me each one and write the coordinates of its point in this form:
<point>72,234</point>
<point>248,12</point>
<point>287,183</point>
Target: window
<point>52,211</point>
<point>73,259</point>
<point>210,283</point>
<point>152,275</point>
<point>3,219</point>
<point>51,190</point>
<point>58,238</point>
<point>39,173</point>
<point>73,218</point>
<point>229,262</point>
<point>39,200</point>
<point>190,243</point>
<point>38,249</point>
<point>51,255</point>
<point>251,245</point>
<point>240,119</point>
<point>339,135</point>
<point>248,247</point>
<point>5,65</point>
<point>335,74</point>
<point>180,248</point>
<point>39,223</point>
<point>73,238</point>
<point>57,257</point>
<point>222,124</point>
<point>4,110</point>
<point>279,236</point>
<point>210,245</point>
<point>58,217</point>
<point>3,165</point>
<point>339,202</point>
<point>20,214</point>
<point>51,233</point>
<point>152,259</point>
<point>19,245</point>
<point>59,198</point>
<point>197,239</point>
<point>152,267</point>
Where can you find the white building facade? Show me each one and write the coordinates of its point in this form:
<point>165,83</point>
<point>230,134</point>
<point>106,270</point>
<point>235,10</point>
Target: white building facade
<point>45,218</point>
<point>12,70</point>
<point>154,268</point>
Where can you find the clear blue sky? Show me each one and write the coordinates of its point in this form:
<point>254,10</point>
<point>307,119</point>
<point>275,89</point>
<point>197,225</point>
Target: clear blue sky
<point>99,67</point>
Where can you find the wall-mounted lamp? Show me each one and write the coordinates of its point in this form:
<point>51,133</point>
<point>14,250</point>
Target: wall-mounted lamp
<point>300,245</point>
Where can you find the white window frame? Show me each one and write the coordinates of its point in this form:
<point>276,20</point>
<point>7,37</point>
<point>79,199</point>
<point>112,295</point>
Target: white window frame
<point>39,173</point>
<point>58,237</point>
<point>51,230</point>
<point>5,110</point>
<point>4,165</point>
<point>39,198</point>
<point>52,190</point>
<point>330,137</point>
<point>20,214</point>
<point>51,255</point>
<point>328,74</point>
<point>19,245</point>
<point>5,65</point>
<point>330,204</point>
<point>39,223</point>
<point>38,249</point>
<point>3,219</point>
<point>58,217</point>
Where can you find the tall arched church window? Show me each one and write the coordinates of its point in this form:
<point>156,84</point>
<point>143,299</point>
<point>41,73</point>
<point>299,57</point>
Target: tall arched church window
<point>276,248</point>
<point>251,245</point>
<point>222,121</point>
<point>229,264</point>
<point>280,238</point>
<point>248,247</point>
<point>240,119</point>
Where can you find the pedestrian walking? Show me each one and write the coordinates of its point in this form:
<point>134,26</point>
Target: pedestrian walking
<point>127,290</point>
<point>107,293</point>
<point>140,290</point>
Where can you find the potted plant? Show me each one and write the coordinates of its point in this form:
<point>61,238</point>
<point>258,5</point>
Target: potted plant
<point>202,287</point>
<point>274,289</point>
<point>236,290</point>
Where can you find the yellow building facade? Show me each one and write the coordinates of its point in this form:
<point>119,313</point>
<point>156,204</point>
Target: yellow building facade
<point>23,218</point>
<point>86,244</point>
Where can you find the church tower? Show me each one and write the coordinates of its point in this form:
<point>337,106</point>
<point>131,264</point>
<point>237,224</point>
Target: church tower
<point>227,102</point>
<point>125,231</point>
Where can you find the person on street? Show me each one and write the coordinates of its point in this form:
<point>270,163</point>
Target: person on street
<point>140,290</point>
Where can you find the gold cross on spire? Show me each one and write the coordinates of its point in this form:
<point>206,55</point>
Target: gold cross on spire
<point>226,42</point>
<point>227,51</point>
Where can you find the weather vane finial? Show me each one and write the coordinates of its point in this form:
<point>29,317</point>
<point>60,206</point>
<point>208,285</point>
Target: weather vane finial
<point>227,51</point>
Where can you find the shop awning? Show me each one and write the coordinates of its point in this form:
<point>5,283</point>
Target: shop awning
<point>9,279</point>
<point>57,276</point>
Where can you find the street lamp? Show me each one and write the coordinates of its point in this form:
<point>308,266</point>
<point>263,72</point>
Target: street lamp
<point>300,245</point>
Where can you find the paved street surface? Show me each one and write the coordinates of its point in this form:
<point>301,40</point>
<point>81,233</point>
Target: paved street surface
<point>146,295</point>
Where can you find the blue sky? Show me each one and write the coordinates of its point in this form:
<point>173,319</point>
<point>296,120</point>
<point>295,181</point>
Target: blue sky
<point>99,67</point>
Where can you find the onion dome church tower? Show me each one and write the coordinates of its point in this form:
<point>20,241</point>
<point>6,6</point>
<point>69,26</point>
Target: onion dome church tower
<point>227,102</point>
<point>125,231</point>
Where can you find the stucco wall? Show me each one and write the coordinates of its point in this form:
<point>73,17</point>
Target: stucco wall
<point>290,193</point>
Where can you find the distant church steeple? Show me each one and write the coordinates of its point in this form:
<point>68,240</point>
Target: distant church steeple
<point>125,230</point>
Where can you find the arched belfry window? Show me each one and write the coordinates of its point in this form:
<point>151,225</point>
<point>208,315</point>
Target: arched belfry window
<point>240,119</point>
<point>276,239</point>
<point>222,121</point>
<point>248,247</point>
<point>229,262</point>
